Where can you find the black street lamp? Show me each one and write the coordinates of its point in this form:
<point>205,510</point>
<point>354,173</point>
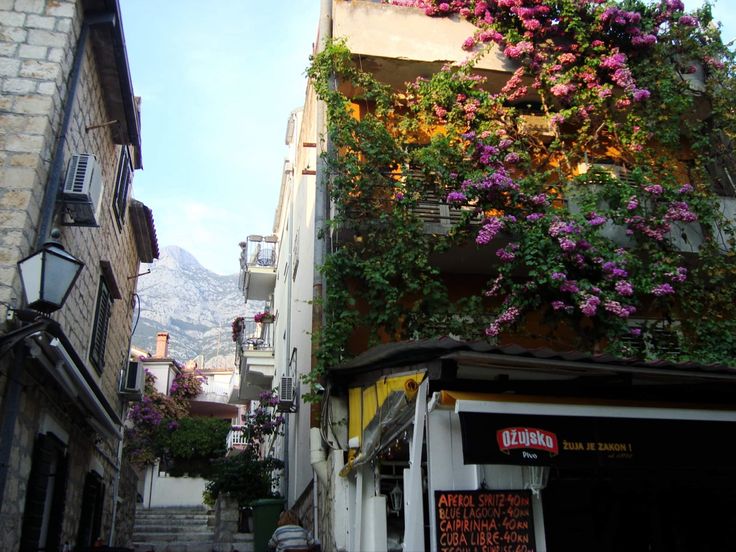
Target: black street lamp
<point>48,276</point>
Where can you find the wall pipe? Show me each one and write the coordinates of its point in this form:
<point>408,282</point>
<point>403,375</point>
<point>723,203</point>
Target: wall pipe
<point>51,195</point>
<point>322,205</point>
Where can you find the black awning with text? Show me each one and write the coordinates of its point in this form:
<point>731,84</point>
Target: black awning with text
<point>580,441</point>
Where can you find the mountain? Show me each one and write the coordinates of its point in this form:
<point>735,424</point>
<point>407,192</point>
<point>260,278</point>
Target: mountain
<point>195,305</point>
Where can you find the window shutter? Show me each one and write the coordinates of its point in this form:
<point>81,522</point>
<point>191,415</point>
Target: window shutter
<point>93,496</point>
<point>99,330</point>
<point>47,451</point>
<point>122,185</point>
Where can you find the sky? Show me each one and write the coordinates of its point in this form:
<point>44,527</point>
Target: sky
<point>218,81</point>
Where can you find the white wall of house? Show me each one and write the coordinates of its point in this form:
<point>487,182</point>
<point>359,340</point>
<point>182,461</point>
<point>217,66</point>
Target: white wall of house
<point>161,490</point>
<point>293,295</point>
<point>164,371</point>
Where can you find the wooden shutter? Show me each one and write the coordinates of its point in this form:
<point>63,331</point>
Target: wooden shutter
<point>122,185</point>
<point>90,523</point>
<point>99,330</point>
<point>47,451</point>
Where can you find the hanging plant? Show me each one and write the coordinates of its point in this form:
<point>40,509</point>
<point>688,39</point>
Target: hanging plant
<point>264,317</point>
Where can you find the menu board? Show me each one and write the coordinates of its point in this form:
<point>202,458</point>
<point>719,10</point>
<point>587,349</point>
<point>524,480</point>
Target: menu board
<point>484,521</point>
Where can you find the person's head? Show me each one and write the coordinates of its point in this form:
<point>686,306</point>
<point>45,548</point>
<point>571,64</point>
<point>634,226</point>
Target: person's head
<point>287,518</point>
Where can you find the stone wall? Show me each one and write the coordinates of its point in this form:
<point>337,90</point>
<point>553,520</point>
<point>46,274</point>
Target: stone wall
<point>38,39</point>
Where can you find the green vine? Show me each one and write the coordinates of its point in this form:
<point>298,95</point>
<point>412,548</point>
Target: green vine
<point>582,221</point>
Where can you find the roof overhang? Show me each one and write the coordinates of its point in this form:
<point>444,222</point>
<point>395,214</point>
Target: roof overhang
<point>144,231</point>
<point>108,45</point>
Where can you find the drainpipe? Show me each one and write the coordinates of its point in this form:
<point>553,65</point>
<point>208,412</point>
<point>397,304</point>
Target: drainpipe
<point>322,206</point>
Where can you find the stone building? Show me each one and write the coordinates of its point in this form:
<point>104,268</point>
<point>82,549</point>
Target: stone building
<point>69,145</point>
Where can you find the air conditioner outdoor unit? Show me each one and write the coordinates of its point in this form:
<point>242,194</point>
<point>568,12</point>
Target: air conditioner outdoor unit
<point>82,192</point>
<point>133,380</point>
<point>287,402</point>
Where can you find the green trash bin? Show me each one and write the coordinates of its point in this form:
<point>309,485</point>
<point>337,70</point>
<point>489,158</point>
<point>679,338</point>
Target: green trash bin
<point>266,513</point>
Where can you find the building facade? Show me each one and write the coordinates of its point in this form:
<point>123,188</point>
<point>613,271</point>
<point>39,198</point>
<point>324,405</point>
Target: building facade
<point>504,332</point>
<point>69,146</point>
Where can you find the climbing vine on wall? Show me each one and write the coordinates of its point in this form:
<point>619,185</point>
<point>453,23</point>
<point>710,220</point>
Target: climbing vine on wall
<point>581,215</point>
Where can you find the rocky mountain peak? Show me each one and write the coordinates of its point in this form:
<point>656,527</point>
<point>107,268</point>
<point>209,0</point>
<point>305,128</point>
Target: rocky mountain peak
<point>195,305</point>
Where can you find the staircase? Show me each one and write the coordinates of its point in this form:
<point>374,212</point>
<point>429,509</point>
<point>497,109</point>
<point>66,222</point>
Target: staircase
<point>182,530</point>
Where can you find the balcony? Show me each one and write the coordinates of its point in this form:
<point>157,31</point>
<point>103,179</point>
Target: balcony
<point>399,44</point>
<point>214,400</point>
<point>256,358</point>
<point>258,258</point>
<point>236,438</point>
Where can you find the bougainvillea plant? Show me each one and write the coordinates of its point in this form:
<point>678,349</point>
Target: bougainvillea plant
<point>157,414</point>
<point>237,327</point>
<point>591,178</point>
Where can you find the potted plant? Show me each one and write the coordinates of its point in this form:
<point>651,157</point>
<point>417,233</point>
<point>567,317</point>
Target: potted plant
<point>264,317</point>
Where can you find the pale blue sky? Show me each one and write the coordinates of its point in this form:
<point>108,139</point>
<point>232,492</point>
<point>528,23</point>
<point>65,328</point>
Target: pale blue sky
<point>218,81</point>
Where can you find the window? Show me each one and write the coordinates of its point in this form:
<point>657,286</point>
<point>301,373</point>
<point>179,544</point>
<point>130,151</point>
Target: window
<point>122,186</point>
<point>99,329</point>
<point>45,496</point>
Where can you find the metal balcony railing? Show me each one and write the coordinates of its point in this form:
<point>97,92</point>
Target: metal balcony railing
<point>258,251</point>
<point>256,336</point>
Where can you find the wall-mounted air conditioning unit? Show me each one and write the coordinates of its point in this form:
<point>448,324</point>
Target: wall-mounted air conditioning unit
<point>82,193</point>
<point>133,380</point>
<point>287,400</point>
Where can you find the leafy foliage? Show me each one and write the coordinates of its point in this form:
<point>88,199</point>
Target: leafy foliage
<point>250,472</point>
<point>569,246</point>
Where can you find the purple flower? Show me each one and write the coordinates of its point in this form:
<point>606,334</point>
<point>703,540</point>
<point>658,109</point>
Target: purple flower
<point>632,204</point>
<point>595,219</point>
<point>456,197</point>
<point>558,276</point>
<point>624,288</point>
<point>590,305</point>
<point>663,289</point>
<point>616,308</point>
<point>636,332</point>
<point>534,216</point>
<point>654,189</point>
<point>686,189</point>
<point>507,253</point>
<point>678,275</point>
<point>569,286</point>
<point>567,244</point>
<point>641,94</point>
<point>512,158</point>
<point>489,231</point>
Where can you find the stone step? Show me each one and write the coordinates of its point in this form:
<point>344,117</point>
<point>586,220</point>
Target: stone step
<point>172,515</point>
<point>173,529</point>
<point>168,536</point>
<point>234,546</point>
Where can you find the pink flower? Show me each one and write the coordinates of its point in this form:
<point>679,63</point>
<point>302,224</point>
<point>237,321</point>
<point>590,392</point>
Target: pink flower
<point>590,305</point>
<point>688,21</point>
<point>624,288</point>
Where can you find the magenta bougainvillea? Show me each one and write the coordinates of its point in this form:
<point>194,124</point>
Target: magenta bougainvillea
<point>158,411</point>
<point>584,218</point>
